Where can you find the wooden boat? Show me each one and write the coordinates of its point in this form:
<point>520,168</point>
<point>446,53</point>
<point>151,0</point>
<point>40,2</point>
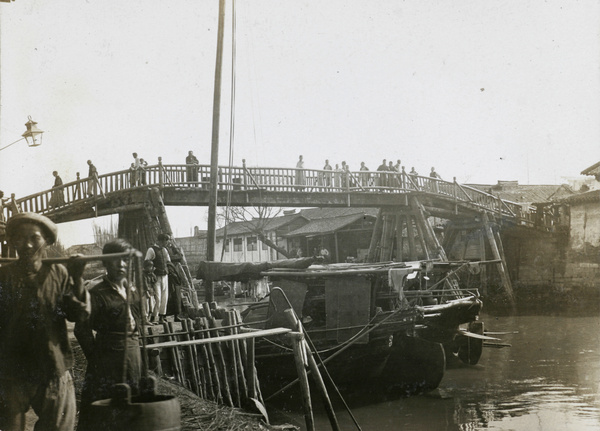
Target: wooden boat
<point>355,318</point>
<point>450,313</point>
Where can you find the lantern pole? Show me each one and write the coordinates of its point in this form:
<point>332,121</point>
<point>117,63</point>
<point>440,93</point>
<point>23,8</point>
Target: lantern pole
<point>32,135</point>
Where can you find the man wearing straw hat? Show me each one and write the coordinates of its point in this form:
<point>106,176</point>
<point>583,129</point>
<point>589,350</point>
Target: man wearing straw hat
<point>36,299</point>
<point>109,338</point>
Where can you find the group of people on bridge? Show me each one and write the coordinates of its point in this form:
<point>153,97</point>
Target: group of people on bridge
<point>388,174</point>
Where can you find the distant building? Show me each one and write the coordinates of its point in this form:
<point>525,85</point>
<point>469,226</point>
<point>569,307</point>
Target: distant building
<point>526,194</point>
<point>593,171</point>
<point>584,226</point>
<point>194,248</point>
<point>243,245</point>
<point>345,232</point>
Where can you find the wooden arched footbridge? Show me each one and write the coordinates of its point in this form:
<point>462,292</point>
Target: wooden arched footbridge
<point>188,185</point>
<point>402,231</point>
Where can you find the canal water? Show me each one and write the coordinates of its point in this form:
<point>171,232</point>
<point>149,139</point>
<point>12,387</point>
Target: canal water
<point>548,380</point>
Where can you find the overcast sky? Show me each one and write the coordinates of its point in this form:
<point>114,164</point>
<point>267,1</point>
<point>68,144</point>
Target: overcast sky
<point>482,90</point>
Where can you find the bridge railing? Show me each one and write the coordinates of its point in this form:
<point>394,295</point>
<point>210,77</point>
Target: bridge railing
<point>271,179</point>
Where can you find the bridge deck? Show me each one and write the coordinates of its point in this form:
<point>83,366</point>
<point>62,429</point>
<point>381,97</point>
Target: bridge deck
<point>285,187</point>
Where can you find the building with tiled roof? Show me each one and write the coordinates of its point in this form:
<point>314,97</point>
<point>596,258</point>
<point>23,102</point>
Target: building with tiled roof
<point>526,194</point>
<point>346,230</point>
<point>593,170</point>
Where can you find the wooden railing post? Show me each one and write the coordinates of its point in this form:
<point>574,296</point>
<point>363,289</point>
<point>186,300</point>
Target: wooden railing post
<point>455,192</point>
<point>244,173</point>
<point>161,182</point>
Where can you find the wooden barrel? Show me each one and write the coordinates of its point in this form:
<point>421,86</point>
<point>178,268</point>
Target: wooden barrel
<point>142,413</point>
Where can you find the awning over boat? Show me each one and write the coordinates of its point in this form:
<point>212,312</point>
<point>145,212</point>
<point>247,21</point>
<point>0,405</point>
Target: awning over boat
<point>227,271</point>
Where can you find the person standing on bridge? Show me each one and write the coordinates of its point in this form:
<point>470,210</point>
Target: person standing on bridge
<point>133,176</point>
<point>327,174</point>
<point>159,255</point>
<point>393,175</point>
<point>109,338</point>
<point>92,179</point>
<point>191,170</point>
<point>135,173</point>
<point>36,300</point>
<point>337,176</point>
<point>364,176</point>
<point>300,176</point>
<point>382,176</point>
<point>58,197</point>
<point>142,172</point>
<point>434,184</point>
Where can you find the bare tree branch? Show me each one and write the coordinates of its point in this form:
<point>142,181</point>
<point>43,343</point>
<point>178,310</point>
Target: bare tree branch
<point>256,220</point>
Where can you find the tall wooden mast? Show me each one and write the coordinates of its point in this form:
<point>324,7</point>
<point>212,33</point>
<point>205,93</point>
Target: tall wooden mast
<point>214,154</point>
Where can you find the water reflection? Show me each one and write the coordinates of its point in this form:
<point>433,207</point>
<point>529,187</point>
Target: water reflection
<point>548,380</point>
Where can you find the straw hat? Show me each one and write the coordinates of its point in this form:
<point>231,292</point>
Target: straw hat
<point>47,225</point>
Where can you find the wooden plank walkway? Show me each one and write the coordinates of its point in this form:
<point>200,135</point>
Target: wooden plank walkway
<point>120,191</point>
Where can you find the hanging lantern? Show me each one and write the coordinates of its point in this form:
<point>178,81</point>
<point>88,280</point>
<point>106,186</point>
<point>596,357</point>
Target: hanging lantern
<point>32,135</point>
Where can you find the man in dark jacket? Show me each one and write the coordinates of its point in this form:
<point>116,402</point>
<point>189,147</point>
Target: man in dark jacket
<point>116,325</point>
<point>192,169</point>
<point>36,299</point>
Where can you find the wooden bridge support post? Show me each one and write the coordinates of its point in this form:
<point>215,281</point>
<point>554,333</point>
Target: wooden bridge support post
<point>399,238</point>
<point>386,238</point>
<point>244,173</point>
<point>375,238</point>
<point>410,232</point>
<point>494,242</point>
<point>422,236</point>
<point>429,232</point>
<point>482,268</point>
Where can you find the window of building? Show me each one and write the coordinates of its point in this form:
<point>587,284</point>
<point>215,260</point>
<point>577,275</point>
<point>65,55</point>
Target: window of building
<point>237,244</point>
<point>251,244</point>
<point>264,246</point>
<point>227,246</point>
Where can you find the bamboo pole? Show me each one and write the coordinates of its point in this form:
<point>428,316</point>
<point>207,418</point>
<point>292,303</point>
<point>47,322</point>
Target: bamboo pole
<point>233,363</point>
<point>206,368</point>
<point>81,258</point>
<point>314,368</point>
<point>251,371</point>
<point>191,352</point>
<point>300,361</point>
<point>178,360</point>
<point>220,356</point>
<point>238,357</point>
<point>212,364</point>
